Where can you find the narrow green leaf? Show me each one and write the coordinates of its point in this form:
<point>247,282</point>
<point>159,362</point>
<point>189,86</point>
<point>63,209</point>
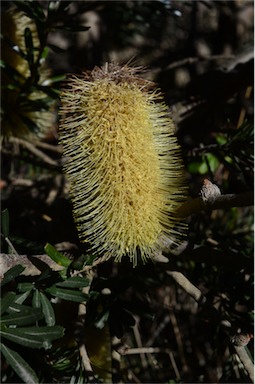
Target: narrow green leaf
<point>48,310</point>
<point>17,308</point>
<point>19,365</point>
<point>67,294</point>
<point>29,46</point>
<point>24,287</point>
<point>22,297</point>
<point>15,47</point>
<point>5,222</point>
<point>18,336</point>
<point>38,10</point>
<point>56,49</point>
<point>32,337</point>
<point>43,333</point>
<point>8,299</point>
<point>56,79</point>
<point>53,93</point>
<point>36,301</point>
<point>12,73</point>
<point>74,282</point>
<point>22,318</point>
<point>56,256</point>
<point>12,274</point>
<point>25,6</point>
<point>63,4</point>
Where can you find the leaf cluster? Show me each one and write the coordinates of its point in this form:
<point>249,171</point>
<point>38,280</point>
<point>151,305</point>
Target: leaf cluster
<point>28,313</point>
<point>37,90</point>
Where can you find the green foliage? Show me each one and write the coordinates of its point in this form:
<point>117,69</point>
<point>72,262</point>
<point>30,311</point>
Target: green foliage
<point>19,365</point>
<point>41,328</point>
<point>25,310</point>
<point>17,326</point>
<point>57,256</point>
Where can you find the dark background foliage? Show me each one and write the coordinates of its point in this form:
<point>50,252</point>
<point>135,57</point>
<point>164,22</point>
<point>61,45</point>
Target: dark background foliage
<point>201,55</point>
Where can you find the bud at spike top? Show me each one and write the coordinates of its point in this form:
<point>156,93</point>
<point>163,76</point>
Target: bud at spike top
<point>122,161</point>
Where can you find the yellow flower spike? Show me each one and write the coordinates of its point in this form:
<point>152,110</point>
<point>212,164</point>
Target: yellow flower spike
<point>122,161</point>
<point>16,113</point>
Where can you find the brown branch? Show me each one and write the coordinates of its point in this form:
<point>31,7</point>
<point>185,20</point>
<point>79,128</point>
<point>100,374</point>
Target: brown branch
<point>220,202</point>
<point>8,261</point>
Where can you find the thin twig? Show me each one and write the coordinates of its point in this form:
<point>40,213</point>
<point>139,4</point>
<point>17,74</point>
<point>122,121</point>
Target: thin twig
<point>82,310</point>
<point>196,205</point>
<point>138,351</point>
<point>139,344</point>
<point>31,147</point>
<point>192,60</point>
<point>87,268</point>
<point>246,361</point>
<point>56,166</point>
<point>8,241</point>
<point>50,147</point>
<point>243,110</point>
<point>187,285</point>
<point>179,342</point>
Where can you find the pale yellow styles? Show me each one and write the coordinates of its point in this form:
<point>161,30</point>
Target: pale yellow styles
<point>122,161</point>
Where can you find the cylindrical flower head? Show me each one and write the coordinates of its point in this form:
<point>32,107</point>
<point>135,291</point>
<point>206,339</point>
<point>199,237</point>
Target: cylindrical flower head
<point>122,161</point>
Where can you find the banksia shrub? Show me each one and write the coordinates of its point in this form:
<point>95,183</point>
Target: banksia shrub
<point>25,107</point>
<point>122,161</point>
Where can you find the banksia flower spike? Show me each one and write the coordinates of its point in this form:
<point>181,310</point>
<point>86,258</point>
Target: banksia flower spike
<point>122,161</point>
<point>23,113</point>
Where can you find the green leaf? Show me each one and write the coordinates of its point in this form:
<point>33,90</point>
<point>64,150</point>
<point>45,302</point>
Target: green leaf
<point>19,365</point>
<point>56,79</point>
<point>8,299</point>
<point>48,310</point>
<point>67,294</point>
<point>38,11</point>
<point>29,46</point>
<point>22,318</point>
<point>15,47</point>
<point>56,49</point>
<point>22,297</point>
<point>5,222</point>
<point>36,301</point>
<point>17,336</point>
<point>12,73</point>
<point>14,307</point>
<point>53,93</point>
<point>27,7</point>
<point>24,287</point>
<point>12,273</point>
<point>102,319</point>
<point>62,5</point>
<point>44,333</point>
<point>74,282</point>
<point>213,162</point>
<point>32,337</point>
<point>56,256</point>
